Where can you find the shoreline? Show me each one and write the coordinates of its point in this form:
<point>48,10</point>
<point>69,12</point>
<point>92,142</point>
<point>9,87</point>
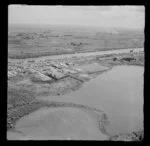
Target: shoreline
<point>133,136</point>
<point>25,108</point>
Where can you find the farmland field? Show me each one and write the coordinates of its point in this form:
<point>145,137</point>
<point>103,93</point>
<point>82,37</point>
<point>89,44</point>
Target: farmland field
<point>34,41</point>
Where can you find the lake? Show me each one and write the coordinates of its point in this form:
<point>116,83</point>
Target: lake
<point>118,92</point>
<point>67,123</point>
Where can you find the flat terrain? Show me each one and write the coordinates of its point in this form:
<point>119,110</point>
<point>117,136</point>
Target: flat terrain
<point>28,80</point>
<point>35,41</point>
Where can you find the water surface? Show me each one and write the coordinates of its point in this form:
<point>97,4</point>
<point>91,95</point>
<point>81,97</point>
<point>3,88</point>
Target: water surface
<point>58,123</point>
<point>118,92</point>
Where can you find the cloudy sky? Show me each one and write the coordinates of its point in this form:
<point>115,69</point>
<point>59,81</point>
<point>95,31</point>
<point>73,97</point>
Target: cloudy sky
<point>103,16</point>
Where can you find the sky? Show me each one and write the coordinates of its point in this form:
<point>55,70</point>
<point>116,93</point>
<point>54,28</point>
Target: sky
<point>95,16</point>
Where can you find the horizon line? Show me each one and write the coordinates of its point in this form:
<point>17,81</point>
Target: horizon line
<point>86,26</point>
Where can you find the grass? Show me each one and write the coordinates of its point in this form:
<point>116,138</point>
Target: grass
<point>21,101</point>
<point>14,114</point>
<point>35,55</point>
<point>18,97</point>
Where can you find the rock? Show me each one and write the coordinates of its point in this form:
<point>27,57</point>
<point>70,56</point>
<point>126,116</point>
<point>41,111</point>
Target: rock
<point>134,136</point>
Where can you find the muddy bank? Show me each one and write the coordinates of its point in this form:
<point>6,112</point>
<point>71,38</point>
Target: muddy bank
<point>28,80</point>
<point>101,117</point>
<point>65,86</point>
<point>22,101</point>
<point>25,86</point>
<point>93,97</point>
<point>102,121</point>
<point>52,78</point>
<point>133,136</point>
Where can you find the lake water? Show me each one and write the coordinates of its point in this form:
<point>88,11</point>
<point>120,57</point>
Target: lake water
<point>59,123</point>
<point>118,92</point>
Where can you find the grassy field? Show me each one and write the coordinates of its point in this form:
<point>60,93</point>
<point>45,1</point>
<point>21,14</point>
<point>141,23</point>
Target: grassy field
<point>28,42</point>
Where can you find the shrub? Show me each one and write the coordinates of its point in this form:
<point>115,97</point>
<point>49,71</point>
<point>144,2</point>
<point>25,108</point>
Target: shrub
<point>128,59</point>
<point>114,59</point>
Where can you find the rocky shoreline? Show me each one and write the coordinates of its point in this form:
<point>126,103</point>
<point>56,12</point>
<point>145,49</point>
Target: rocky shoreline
<point>133,136</point>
